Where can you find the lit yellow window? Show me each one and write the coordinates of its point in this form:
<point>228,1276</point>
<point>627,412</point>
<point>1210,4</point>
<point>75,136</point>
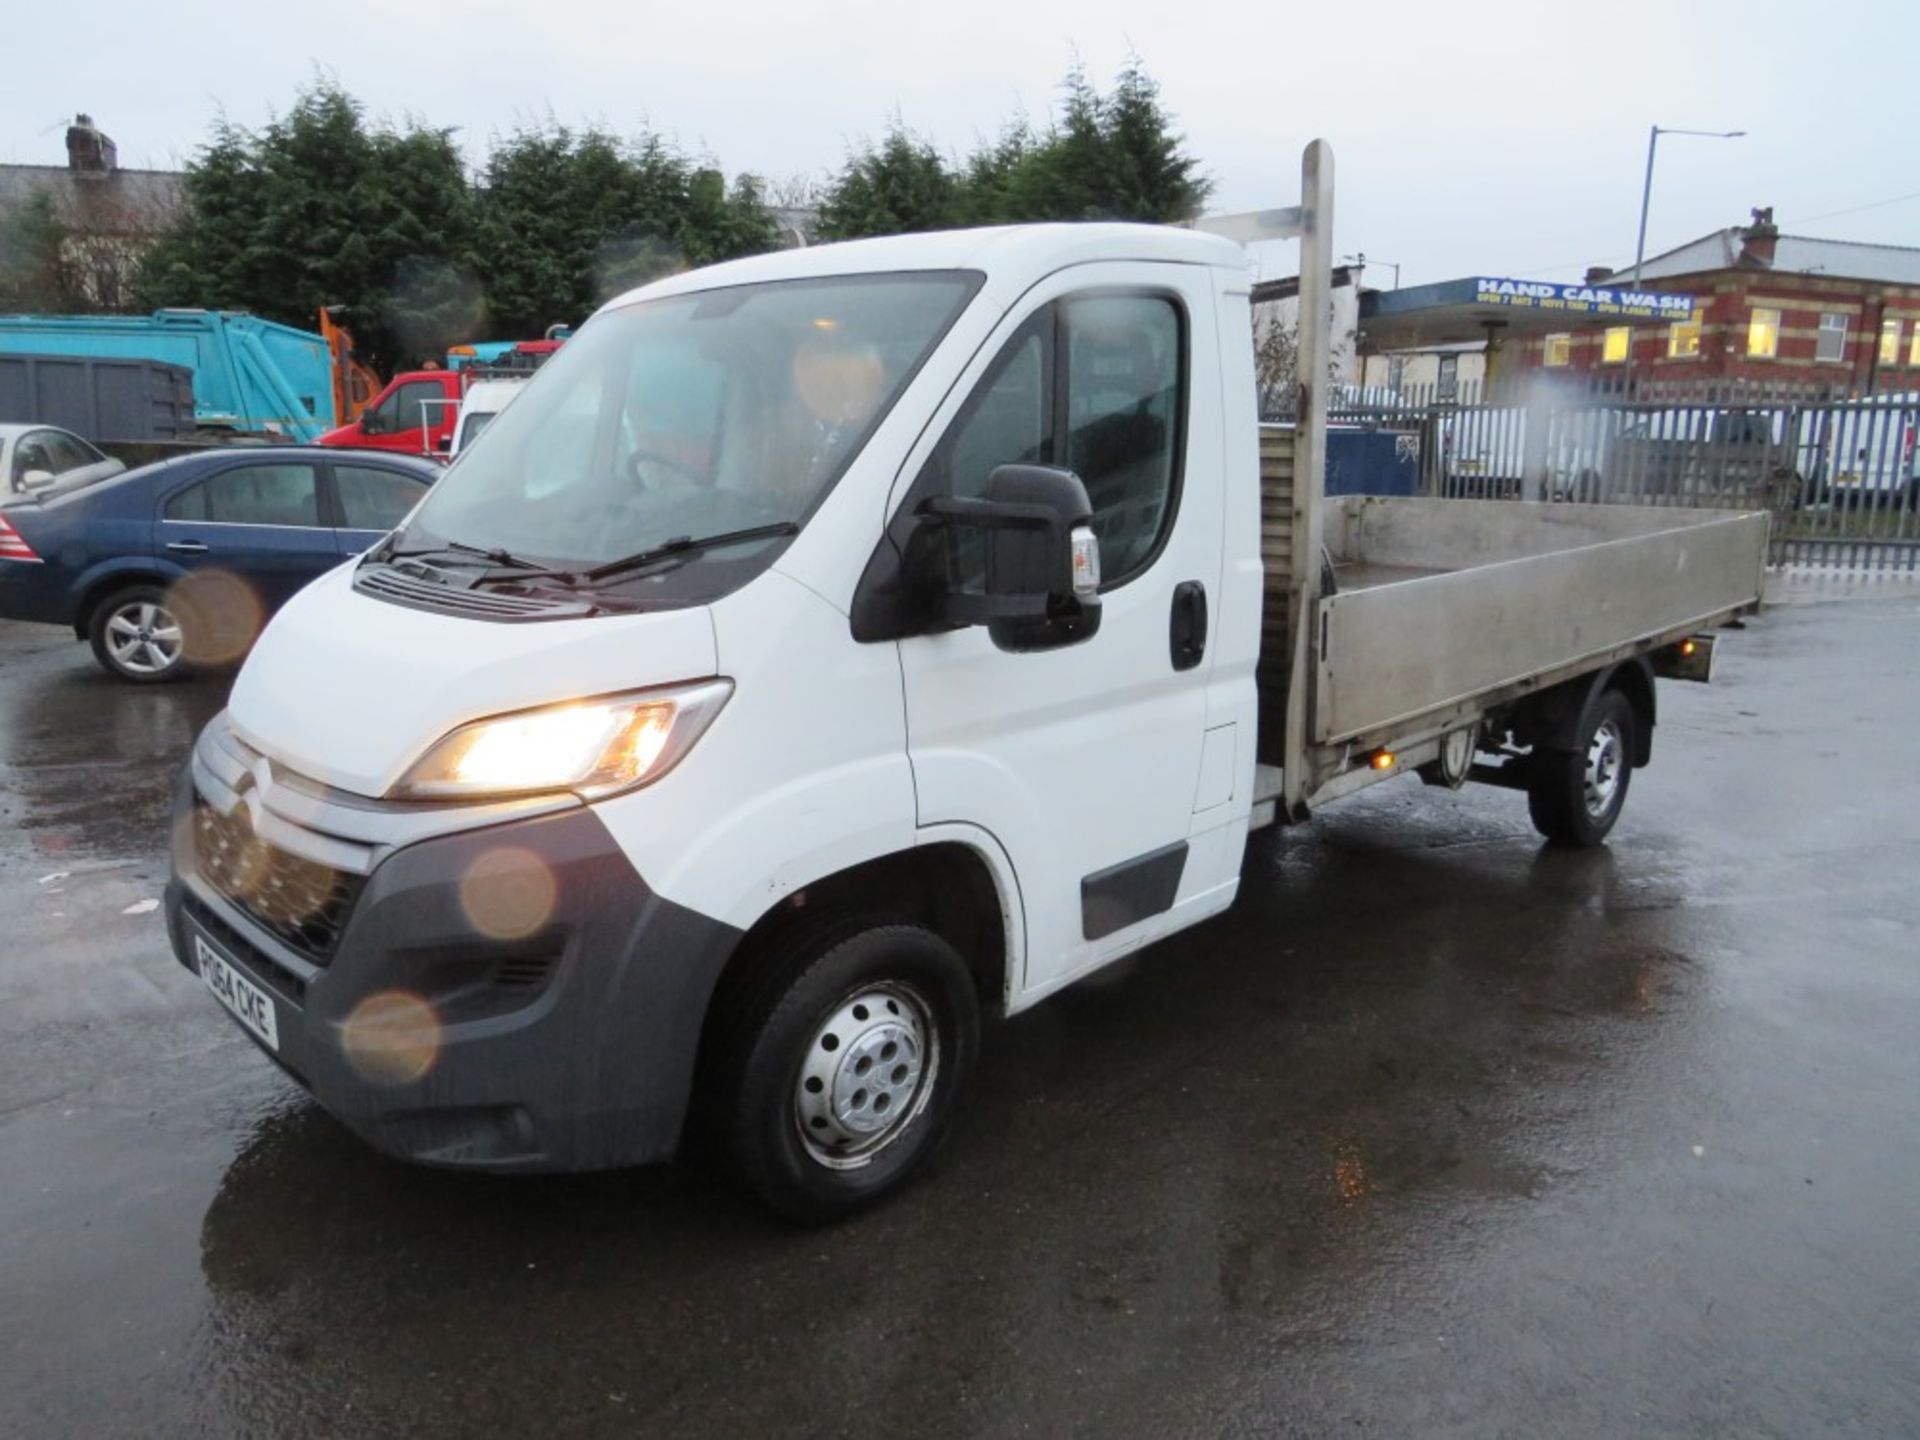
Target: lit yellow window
<point>1613,349</point>
<point>1683,337</point>
<point>1559,350</point>
<point>1890,341</point>
<point>1913,354</point>
<point>1763,332</point>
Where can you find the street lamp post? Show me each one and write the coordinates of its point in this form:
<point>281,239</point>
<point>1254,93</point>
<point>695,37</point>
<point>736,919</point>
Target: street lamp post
<point>1646,188</point>
<point>1360,260</point>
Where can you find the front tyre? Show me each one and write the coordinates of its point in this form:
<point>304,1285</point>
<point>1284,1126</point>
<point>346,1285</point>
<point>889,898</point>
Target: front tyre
<point>1575,796</point>
<point>138,635</point>
<point>851,1062</point>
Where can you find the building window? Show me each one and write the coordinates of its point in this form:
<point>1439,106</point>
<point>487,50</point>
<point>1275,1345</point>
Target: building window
<point>1396,373</point>
<point>1614,345</point>
<point>1449,382</point>
<point>1683,337</point>
<point>1763,333</point>
<point>1913,352</point>
<point>1559,350</point>
<point>1890,341</point>
<point>1832,344</point>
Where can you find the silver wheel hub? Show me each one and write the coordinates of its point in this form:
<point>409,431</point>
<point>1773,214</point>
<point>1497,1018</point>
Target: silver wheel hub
<point>866,1074</point>
<point>1606,761</point>
<point>144,637</point>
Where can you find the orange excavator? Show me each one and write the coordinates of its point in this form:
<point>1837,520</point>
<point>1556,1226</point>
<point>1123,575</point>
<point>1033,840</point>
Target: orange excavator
<point>354,382</point>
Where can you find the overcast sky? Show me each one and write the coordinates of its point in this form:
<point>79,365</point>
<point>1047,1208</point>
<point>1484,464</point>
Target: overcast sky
<point>1506,136</point>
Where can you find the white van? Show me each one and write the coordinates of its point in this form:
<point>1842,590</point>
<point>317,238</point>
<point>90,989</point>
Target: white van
<point>829,648</point>
<point>482,402</point>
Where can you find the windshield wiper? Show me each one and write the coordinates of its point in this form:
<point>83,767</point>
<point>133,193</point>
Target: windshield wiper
<point>522,569</point>
<point>686,545</point>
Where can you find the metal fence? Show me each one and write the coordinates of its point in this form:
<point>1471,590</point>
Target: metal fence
<point>1839,470</point>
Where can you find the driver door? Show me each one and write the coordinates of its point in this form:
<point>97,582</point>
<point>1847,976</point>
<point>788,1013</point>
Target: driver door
<point>1085,761</point>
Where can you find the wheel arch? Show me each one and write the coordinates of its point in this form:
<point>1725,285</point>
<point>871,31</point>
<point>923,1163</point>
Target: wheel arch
<point>1552,720</point>
<point>947,885</point>
<point>93,588</point>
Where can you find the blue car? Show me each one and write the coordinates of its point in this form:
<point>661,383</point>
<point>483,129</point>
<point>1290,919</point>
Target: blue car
<point>180,564</point>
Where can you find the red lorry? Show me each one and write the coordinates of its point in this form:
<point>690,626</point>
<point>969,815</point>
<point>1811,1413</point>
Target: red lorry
<point>417,410</point>
<point>414,413</point>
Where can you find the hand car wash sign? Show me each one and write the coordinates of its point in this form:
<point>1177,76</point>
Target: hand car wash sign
<point>1582,299</point>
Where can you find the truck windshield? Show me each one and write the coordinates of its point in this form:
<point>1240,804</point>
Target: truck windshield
<point>692,416</point>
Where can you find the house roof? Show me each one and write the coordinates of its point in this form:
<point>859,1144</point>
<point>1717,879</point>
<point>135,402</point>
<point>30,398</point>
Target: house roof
<point>1792,255</point>
<point>119,202</point>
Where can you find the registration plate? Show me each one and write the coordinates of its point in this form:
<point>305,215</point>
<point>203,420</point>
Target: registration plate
<point>245,999</point>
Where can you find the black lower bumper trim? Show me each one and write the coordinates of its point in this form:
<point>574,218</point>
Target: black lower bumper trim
<point>568,1044</point>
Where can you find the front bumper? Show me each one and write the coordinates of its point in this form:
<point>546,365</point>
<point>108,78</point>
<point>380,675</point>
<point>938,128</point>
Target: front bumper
<point>555,1002</point>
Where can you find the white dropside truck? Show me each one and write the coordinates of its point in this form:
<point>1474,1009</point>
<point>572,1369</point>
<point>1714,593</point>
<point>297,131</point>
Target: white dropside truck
<point>830,649</point>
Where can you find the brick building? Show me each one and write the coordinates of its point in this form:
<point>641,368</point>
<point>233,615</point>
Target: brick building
<point>1771,308</point>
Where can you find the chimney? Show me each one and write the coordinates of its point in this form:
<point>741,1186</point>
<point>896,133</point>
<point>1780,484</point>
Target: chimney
<point>88,151</point>
<point>1757,240</point>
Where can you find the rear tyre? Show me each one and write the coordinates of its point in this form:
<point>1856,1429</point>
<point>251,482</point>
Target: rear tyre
<point>138,634</point>
<point>846,1064</point>
<point>1576,795</point>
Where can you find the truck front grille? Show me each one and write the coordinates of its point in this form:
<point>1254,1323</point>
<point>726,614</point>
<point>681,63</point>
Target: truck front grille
<point>300,901</point>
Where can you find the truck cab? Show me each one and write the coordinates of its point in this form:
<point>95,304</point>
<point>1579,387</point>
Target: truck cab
<point>414,415</point>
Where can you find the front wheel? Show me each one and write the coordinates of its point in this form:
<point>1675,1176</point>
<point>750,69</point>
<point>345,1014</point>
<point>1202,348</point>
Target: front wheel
<point>848,1065</point>
<point>1575,796</point>
<point>138,635</point>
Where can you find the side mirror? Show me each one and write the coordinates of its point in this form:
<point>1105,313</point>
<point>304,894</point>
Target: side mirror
<point>1024,561</point>
<point>369,423</point>
<point>444,445</point>
<point>36,480</point>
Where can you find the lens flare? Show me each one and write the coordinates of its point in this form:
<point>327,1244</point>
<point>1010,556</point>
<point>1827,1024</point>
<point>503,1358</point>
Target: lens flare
<point>221,614</point>
<point>391,1038</point>
<point>508,892</point>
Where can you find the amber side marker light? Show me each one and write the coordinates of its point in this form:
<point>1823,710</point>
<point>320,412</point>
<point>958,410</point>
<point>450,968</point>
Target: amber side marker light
<point>1687,659</point>
<point>1384,760</point>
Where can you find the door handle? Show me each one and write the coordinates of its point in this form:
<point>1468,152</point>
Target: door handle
<point>1187,627</point>
<point>188,547</point>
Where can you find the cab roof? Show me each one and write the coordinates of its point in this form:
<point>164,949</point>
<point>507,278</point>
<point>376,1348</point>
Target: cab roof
<point>1017,255</point>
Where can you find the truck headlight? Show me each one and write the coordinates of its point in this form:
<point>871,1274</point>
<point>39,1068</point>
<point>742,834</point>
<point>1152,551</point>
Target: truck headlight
<point>594,748</point>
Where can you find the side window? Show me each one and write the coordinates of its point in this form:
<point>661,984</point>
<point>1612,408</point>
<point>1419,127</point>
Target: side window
<point>475,423</point>
<point>31,452</point>
<point>187,504</point>
<point>373,499</point>
<point>69,452</point>
<point>1123,378</point>
<point>251,495</point>
<point>1095,384</point>
<point>410,408</point>
<point>1008,420</point>
<point>381,417</point>
<point>402,409</point>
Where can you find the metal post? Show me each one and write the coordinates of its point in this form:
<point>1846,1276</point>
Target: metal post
<point>1309,459</point>
<point>1646,195</point>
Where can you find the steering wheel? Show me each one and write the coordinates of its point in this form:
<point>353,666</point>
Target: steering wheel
<point>642,458</point>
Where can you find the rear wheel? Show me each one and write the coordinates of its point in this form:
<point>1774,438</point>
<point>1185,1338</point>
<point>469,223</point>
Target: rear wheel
<point>1575,796</point>
<point>846,1063</point>
<point>139,635</point>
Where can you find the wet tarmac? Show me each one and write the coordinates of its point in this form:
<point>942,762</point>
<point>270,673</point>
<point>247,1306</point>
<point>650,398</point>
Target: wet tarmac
<point>1437,1134</point>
